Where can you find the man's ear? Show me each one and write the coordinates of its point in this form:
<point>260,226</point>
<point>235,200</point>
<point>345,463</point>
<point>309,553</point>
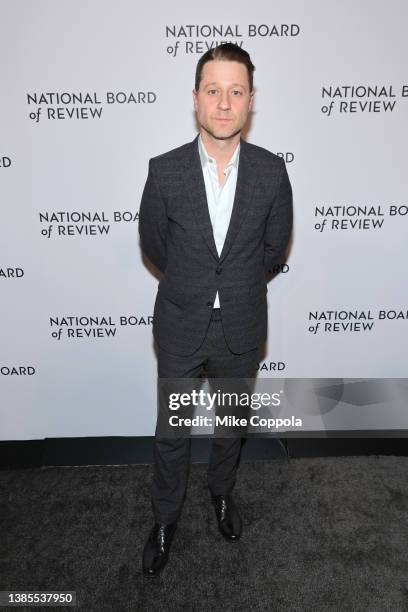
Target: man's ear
<point>251,99</point>
<point>194,99</point>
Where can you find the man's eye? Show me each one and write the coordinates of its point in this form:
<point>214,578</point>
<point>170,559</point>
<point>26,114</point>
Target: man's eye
<point>237,92</point>
<point>212,91</point>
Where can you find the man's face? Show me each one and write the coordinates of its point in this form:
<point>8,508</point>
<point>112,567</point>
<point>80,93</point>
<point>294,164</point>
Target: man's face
<point>223,100</point>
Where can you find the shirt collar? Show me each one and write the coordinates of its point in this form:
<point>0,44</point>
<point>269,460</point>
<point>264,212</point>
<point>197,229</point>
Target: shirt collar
<point>205,158</point>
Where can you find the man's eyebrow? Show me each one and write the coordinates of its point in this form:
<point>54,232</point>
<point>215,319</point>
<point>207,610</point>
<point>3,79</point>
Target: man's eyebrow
<point>233,84</point>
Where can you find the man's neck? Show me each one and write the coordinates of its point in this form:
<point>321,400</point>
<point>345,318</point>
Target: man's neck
<point>220,150</point>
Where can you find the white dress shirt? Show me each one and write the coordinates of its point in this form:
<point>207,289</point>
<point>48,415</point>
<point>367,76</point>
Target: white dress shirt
<point>220,198</point>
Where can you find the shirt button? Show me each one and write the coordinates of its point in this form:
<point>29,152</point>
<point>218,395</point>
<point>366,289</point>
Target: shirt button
<point>209,304</point>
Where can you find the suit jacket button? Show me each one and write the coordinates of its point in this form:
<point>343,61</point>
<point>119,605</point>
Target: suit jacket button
<point>209,304</point>
<point>218,271</point>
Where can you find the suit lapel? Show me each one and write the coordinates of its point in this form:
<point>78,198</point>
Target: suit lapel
<point>194,180</point>
<point>246,181</point>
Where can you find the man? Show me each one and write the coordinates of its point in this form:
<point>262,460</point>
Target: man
<point>215,216</point>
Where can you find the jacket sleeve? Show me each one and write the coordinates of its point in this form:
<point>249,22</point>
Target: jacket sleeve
<point>153,222</point>
<point>279,223</point>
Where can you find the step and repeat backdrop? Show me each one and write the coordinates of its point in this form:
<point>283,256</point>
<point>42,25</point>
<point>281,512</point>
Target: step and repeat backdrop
<point>90,90</point>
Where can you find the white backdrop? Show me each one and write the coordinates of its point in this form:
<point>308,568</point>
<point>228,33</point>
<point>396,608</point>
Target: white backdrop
<point>90,90</point>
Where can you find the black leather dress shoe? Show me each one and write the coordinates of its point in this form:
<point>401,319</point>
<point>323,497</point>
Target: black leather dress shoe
<point>156,550</point>
<point>229,520</point>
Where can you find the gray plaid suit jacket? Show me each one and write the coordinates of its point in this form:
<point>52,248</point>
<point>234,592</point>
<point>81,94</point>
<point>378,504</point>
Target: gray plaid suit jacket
<point>176,235</point>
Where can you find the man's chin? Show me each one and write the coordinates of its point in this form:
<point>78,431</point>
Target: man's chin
<point>226,137</point>
<point>223,134</point>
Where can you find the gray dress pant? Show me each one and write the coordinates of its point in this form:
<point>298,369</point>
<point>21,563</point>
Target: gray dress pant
<point>172,455</point>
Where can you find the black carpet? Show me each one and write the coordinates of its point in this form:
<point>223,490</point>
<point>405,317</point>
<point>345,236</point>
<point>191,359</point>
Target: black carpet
<point>326,534</point>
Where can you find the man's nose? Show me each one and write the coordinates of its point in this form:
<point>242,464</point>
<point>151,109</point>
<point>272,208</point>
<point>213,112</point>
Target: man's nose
<point>224,101</point>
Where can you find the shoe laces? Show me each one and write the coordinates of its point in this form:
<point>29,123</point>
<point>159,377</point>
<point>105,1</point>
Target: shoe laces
<point>222,506</point>
<point>161,536</point>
